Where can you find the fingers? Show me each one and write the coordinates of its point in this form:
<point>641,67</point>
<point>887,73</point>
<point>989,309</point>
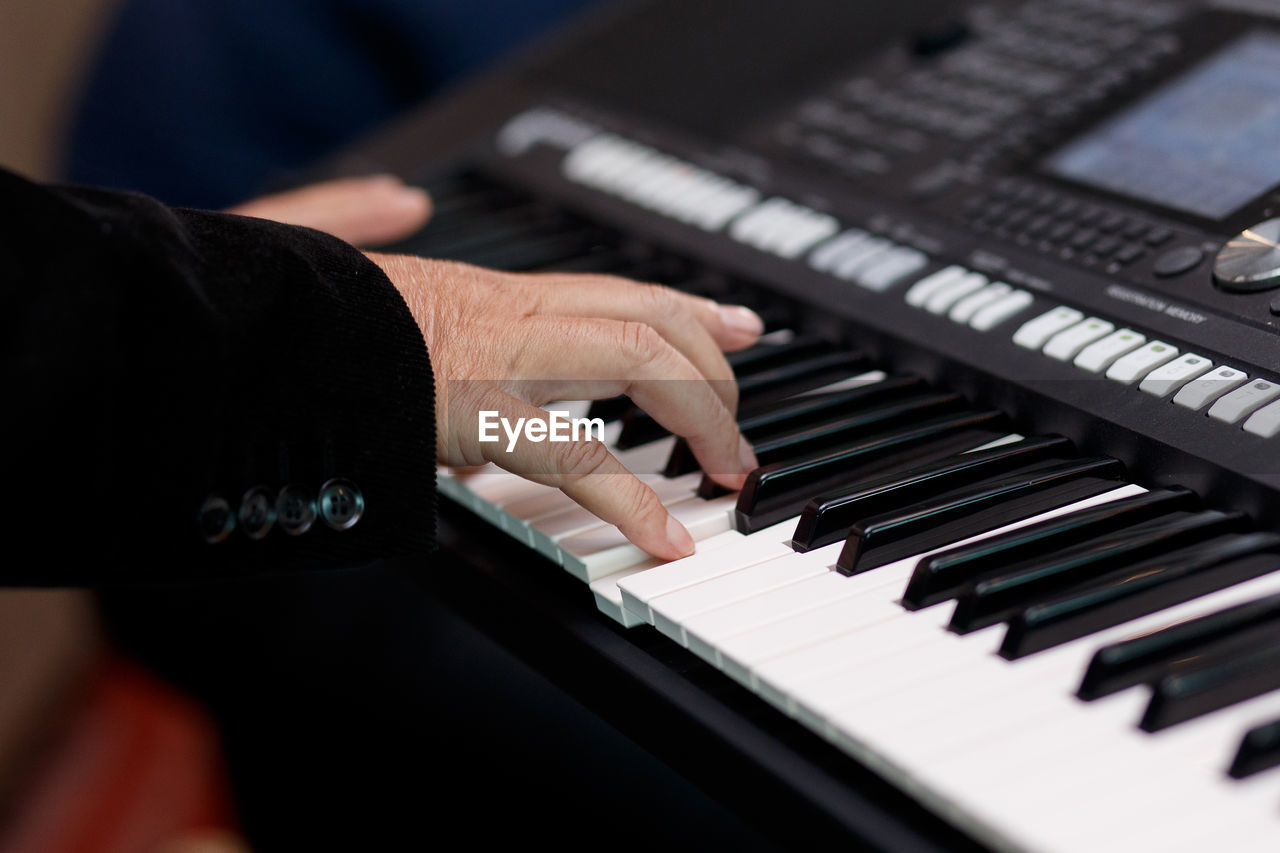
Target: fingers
<point>700,328</point>
<point>592,476</point>
<point>591,359</point>
<point>363,211</point>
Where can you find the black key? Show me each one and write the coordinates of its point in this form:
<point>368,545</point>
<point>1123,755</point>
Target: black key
<point>995,599</point>
<point>778,491</point>
<point>758,390</point>
<point>960,514</point>
<point>610,409</point>
<point>1151,656</point>
<point>764,356</point>
<point>534,252</point>
<point>1137,590</point>
<point>1259,750</point>
<point>842,431</point>
<point>1185,696</point>
<point>800,411</point>
<point>938,577</point>
<point>827,518</point>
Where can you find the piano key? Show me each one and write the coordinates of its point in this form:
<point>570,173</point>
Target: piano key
<point>882,539</point>
<point>777,491</point>
<point>1183,696</point>
<point>766,354</point>
<point>938,577</point>
<point>1144,658</point>
<point>996,598</point>
<point>1259,750</point>
<point>798,411</point>
<point>608,596</point>
<point>1140,589</point>
<point>604,550</point>
<point>827,518</point>
<point>732,551</point>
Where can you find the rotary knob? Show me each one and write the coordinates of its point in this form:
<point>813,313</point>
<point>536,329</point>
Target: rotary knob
<point>1251,261</point>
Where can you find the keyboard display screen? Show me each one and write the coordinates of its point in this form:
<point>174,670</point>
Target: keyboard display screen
<point>1204,143</point>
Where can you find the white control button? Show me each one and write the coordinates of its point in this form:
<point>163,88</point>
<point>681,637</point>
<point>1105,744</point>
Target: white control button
<point>1034,334</point>
<point>963,311</point>
<point>895,265</point>
<point>1264,422</point>
<point>1244,400</point>
<point>1001,310</point>
<point>1065,345</point>
<point>1140,362</point>
<point>1097,357</point>
<point>825,256</point>
<point>1199,393</point>
<point>942,300</point>
<point>856,260</point>
<point>920,292</point>
<point>1165,380</point>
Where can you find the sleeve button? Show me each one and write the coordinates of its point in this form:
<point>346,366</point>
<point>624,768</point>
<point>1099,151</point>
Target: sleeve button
<point>215,519</point>
<point>257,512</point>
<point>295,510</point>
<point>341,504</point>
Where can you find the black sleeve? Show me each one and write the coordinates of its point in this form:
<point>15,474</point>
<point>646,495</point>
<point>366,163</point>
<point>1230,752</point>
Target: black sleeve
<point>191,395</point>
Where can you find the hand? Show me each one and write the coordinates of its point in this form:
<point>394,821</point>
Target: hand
<point>368,211</point>
<point>512,343</point>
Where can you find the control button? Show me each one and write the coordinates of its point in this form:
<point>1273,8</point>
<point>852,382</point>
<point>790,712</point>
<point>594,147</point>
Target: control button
<point>1130,253</point>
<point>1177,261</point>
<point>1038,225</point>
<point>1265,422</point>
<point>942,300</point>
<point>215,519</point>
<point>1244,400</point>
<point>893,266</point>
<point>295,510</point>
<point>1083,238</point>
<point>963,311</point>
<point>1199,393</point>
<point>853,260</point>
<point>1251,260</point>
<point>1137,364</point>
<point>1065,345</point>
<point>1097,357</point>
<point>825,256</point>
<point>1112,223</point>
<point>919,293</point>
<point>1165,380</point>
<point>1104,246</point>
<point>1001,310</point>
<point>1135,229</point>
<point>1061,232</point>
<point>257,512</point>
<point>341,504</point>
<point>1157,236</point>
<point>1034,334</point>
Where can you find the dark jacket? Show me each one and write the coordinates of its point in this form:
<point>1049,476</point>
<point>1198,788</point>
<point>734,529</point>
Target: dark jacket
<point>159,365</point>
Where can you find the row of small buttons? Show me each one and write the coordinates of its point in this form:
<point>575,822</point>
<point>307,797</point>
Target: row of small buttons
<point>968,297</point>
<point>340,504</point>
<point>1158,368</point>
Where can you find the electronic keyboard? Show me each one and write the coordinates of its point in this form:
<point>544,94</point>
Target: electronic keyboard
<point>1014,538</point>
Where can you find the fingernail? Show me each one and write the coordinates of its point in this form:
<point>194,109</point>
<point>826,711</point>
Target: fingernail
<point>679,537</point>
<point>741,320</point>
<point>746,456</point>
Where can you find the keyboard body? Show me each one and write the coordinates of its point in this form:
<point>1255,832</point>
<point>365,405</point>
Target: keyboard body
<point>938,141</point>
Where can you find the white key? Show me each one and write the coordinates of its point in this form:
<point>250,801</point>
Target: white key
<point>1264,422</point>
<point>1199,393</point>
<point>1166,379</point>
<point>1005,308</point>
<point>604,550</point>
<point>1244,400</point>
<point>1098,356</point>
<point>899,263</point>
<point>944,298</point>
<point>920,292</point>
<point>1137,364</point>
<point>732,551</point>
<point>1067,344</point>
<point>963,311</point>
<point>1035,333</point>
<point>853,261</point>
<point>608,597</point>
